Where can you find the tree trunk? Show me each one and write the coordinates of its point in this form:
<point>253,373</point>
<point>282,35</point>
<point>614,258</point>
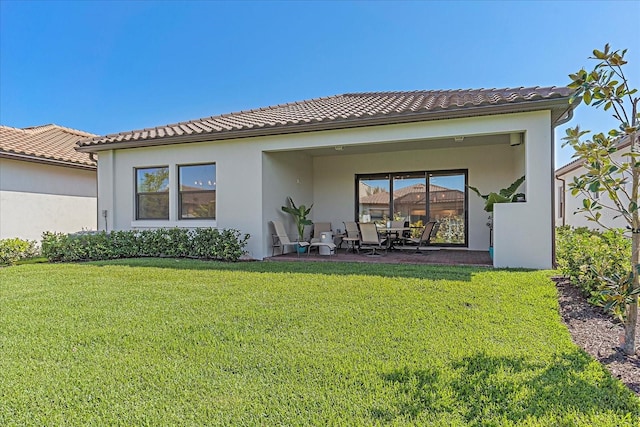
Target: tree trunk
<point>631,322</point>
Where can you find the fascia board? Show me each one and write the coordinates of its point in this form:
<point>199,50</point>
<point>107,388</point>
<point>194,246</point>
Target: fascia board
<point>41,160</point>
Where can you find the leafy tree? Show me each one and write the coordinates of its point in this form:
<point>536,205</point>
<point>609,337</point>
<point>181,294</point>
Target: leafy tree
<point>607,86</point>
<point>155,181</point>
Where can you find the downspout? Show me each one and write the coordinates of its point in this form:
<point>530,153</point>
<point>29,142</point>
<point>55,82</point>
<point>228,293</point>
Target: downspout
<point>562,120</point>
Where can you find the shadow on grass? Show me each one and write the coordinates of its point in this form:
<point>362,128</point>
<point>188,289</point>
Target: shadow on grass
<point>431,272</point>
<point>481,387</point>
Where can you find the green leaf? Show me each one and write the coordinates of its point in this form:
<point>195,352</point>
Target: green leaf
<point>475,190</point>
<point>494,198</point>
<point>508,192</point>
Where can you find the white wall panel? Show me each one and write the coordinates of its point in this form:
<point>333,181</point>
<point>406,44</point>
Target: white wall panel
<point>28,215</point>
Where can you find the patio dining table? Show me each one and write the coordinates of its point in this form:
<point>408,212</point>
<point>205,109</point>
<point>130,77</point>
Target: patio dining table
<point>388,231</point>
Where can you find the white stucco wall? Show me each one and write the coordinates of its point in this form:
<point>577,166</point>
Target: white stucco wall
<point>523,232</point>
<point>284,174</point>
<point>238,177</point>
<point>255,175</point>
<point>36,197</point>
<point>573,203</point>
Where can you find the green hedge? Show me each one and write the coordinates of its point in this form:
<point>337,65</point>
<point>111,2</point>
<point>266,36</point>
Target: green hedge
<point>585,256</point>
<point>13,250</point>
<point>599,263</point>
<point>206,243</point>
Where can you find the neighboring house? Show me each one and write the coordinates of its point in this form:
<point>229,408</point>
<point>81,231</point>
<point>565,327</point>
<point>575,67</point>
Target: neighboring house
<point>45,184</point>
<point>409,203</point>
<point>327,150</point>
<point>566,205</point>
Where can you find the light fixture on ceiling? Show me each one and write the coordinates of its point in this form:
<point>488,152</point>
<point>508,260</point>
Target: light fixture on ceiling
<point>458,138</point>
<point>338,148</point>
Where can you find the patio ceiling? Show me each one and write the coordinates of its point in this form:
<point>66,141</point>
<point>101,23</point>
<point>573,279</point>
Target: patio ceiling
<point>421,144</point>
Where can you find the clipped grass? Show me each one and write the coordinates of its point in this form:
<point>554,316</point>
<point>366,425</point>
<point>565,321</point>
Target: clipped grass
<point>180,342</point>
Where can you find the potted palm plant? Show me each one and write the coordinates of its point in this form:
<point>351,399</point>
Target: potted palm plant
<point>506,195</point>
<point>299,214</point>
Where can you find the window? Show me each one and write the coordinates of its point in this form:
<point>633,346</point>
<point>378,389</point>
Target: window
<point>418,197</point>
<point>152,193</point>
<point>374,198</point>
<point>447,205</point>
<point>560,201</point>
<point>197,191</point>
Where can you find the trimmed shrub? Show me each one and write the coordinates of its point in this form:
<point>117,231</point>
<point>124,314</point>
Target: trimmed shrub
<point>585,256</point>
<point>13,250</point>
<point>596,262</point>
<point>205,243</point>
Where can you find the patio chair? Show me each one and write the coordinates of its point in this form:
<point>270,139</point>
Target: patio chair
<point>281,239</point>
<point>370,239</point>
<point>319,227</point>
<point>396,235</point>
<point>319,244</point>
<point>429,231</point>
<point>352,236</point>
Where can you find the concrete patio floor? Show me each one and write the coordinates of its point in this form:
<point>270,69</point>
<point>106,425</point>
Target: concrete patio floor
<point>431,256</point>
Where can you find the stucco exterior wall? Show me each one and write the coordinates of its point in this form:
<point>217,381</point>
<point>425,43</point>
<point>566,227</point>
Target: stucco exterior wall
<point>36,197</point>
<point>573,203</point>
<point>255,175</point>
<point>284,174</point>
<point>523,232</point>
<point>238,177</point>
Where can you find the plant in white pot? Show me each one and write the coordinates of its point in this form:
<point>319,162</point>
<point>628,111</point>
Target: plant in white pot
<point>299,214</point>
<point>506,195</point>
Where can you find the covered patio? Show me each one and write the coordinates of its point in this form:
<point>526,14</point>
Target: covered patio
<point>426,257</point>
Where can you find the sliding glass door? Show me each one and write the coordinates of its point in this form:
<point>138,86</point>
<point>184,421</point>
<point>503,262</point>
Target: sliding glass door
<point>409,197</point>
<point>418,197</point>
<point>374,200</point>
<point>447,205</point>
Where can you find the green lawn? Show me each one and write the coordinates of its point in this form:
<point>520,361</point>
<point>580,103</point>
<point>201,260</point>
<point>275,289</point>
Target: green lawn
<point>178,342</point>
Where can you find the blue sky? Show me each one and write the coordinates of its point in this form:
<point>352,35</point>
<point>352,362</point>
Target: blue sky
<point>113,66</point>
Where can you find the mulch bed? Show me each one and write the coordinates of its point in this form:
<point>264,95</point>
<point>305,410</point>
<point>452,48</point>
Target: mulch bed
<point>598,334</point>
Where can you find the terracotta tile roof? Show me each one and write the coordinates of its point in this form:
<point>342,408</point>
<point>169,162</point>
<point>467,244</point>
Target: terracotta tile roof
<point>343,111</point>
<point>382,198</point>
<point>48,143</point>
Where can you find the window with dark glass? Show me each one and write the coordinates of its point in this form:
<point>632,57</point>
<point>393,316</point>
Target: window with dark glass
<point>197,191</point>
<point>415,198</point>
<point>152,193</point>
